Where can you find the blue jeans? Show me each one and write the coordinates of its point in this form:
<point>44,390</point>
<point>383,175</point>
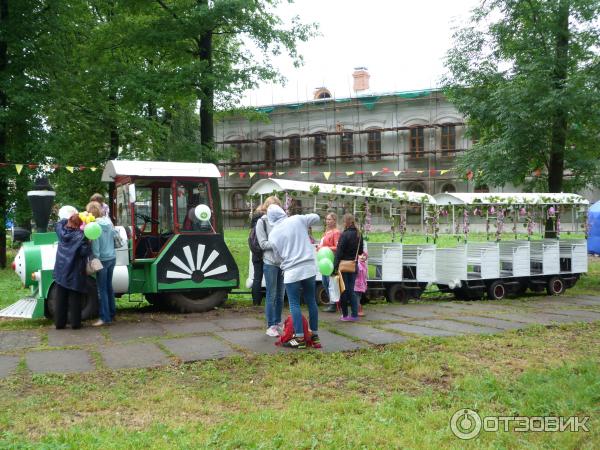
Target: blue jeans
<point>308,290</point>
<point>275,292</point>
<point>348,295</point>
<point>106,295</point>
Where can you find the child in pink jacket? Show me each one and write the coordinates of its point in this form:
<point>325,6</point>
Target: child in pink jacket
<point>360,285</point>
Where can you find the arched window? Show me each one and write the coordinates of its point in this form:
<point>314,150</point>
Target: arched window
<point>417,142</point>
<point>238,204</point>
<point>448,140</point>
<point>347,146</point>
<point>416,187</point>
<point>374,145</point>
<point>236,157</point>
<point>320,148</point>
<point>294,148</point>
<point>269,153</point>
<point>448,187</point>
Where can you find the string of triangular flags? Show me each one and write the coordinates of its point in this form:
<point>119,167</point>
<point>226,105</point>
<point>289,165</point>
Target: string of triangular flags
<point>328,174</point>
<point>19,167</point>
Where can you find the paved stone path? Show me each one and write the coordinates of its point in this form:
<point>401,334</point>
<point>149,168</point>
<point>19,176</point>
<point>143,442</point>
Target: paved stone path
<point>151,340</point>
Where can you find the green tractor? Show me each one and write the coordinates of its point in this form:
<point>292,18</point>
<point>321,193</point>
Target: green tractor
<point>169,215</point>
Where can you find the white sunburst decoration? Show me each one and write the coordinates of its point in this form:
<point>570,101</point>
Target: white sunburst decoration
<point>196,270</point>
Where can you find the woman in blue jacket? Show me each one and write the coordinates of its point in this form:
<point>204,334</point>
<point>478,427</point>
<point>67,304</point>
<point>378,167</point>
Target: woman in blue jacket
<point>69,271</point>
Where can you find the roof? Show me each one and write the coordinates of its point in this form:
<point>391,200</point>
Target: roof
<point>158,169</point>
<point>268,185</point>
<point>494,198</point>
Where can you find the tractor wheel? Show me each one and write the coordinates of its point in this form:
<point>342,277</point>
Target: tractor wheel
<point>321,295</point>
<point>496,290</point>
<point>158,301</point>
<point>193,302</point>
<point>555,286</point>
<point>396,293</point>
<point>89,305</point>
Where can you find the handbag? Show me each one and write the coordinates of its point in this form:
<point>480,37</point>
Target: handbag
<point>93,265</point>
<point>118,241</point>
<point>349,265</point>
<point>334,288</point>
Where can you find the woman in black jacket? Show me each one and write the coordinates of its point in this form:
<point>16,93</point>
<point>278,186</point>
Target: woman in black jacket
<point>69,271</point>
<point>257,261</point>
<point>349,246</point>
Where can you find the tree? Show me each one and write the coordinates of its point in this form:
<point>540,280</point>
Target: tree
<point>526,75</point>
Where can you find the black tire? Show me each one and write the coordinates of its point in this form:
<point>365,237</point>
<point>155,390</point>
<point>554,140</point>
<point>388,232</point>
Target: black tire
<point>321,295</point>
<point>555,286</point>
<point>89,306</point>
<point>496,290</point>
<point>396,293</point>
<point>188,302</point>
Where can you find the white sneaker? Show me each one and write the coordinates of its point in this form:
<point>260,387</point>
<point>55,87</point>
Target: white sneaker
<point>272,331</point>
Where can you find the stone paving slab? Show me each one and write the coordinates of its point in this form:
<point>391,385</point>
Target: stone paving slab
<point>335,343</point>
<point>573,316</point>
<point>127,331</point>
<point>475,306</point>
<point>239,323</point>
<point>68,337</point>
<point>15,340</point>
<point>198,348</point>
<point>369,334</point>
<point>8,364</point>
<point>412,312</point>
<point>458,327</point>
<point>415,329</point>
<point>59,361</point>
<point>380,315</point>
<point>253,340</point>
<point>488,321</point>
<point>537,318</point>
<point>138,355</point>
<point>190,327</point>
<point>568,301</point>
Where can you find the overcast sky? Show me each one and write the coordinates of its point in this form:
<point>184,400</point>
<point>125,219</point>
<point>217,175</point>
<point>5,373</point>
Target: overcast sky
<point>401,42</point>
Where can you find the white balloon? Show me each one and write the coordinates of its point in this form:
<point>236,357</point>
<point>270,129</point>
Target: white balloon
<point>202,212</point>
<point>66,211</point>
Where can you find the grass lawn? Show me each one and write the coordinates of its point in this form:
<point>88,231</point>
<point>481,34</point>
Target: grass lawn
<point>388,397</point>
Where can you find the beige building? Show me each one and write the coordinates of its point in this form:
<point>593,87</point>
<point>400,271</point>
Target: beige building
<point>406,140</point>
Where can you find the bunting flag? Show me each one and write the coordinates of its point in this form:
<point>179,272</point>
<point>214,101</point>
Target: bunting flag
<point>470,175</point>
<point>232,173</point>
<point>93,169</point>
<point>19,168</point>
<point>373,172</point>
<point>280,173</point>
<point>348,174</point>
<point>419,171</point>
<point>327,175</point>
<point>70,168</point>
<point>397,172</point>
<point>251,174</point>
<point>442,172</point>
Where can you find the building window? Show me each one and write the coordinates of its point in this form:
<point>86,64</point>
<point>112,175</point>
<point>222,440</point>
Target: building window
<point>448,140</point>
<point>347,146</point>
<point>416,187</point>
<point>320,148</point>
<point>374,145</point>
<point>294,147</point>
<point>269,153</point>
<point>448,187</point>
<point>236,157</point>
<point>416,142</point>
<point>238,204</point>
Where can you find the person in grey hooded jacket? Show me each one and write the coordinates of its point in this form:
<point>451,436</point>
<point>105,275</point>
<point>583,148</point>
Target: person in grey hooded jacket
<point>292,248</point>
<point>104,249</point>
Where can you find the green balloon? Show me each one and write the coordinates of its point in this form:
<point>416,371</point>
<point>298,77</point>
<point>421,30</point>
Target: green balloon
<point>92,231</point>
<point>325,266</point>
<point>325,253</point>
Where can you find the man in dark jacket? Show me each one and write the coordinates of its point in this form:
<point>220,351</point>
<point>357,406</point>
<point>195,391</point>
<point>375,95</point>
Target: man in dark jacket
<point>69,271</point>
<point>349,247</point>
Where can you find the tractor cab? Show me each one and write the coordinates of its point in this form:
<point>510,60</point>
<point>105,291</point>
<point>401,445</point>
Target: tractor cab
<point>170,214</point>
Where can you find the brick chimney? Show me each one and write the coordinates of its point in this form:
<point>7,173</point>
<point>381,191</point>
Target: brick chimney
<point>361,79</point>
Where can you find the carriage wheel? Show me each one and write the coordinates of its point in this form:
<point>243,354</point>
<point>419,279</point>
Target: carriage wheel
<point>396,293</point>
<point>321,295</point>
<point>89,305</point>
<point>496,290</point>
<point>193,302</point>
<point>555,286</point>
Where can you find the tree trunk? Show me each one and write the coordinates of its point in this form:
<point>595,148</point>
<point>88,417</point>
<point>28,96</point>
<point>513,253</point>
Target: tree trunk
<point>3,135</point>
<point>559,120</point>
<point>205,54</point>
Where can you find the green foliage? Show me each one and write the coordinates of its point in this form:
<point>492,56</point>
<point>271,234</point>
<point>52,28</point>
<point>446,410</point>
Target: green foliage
<point>526,76</point>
